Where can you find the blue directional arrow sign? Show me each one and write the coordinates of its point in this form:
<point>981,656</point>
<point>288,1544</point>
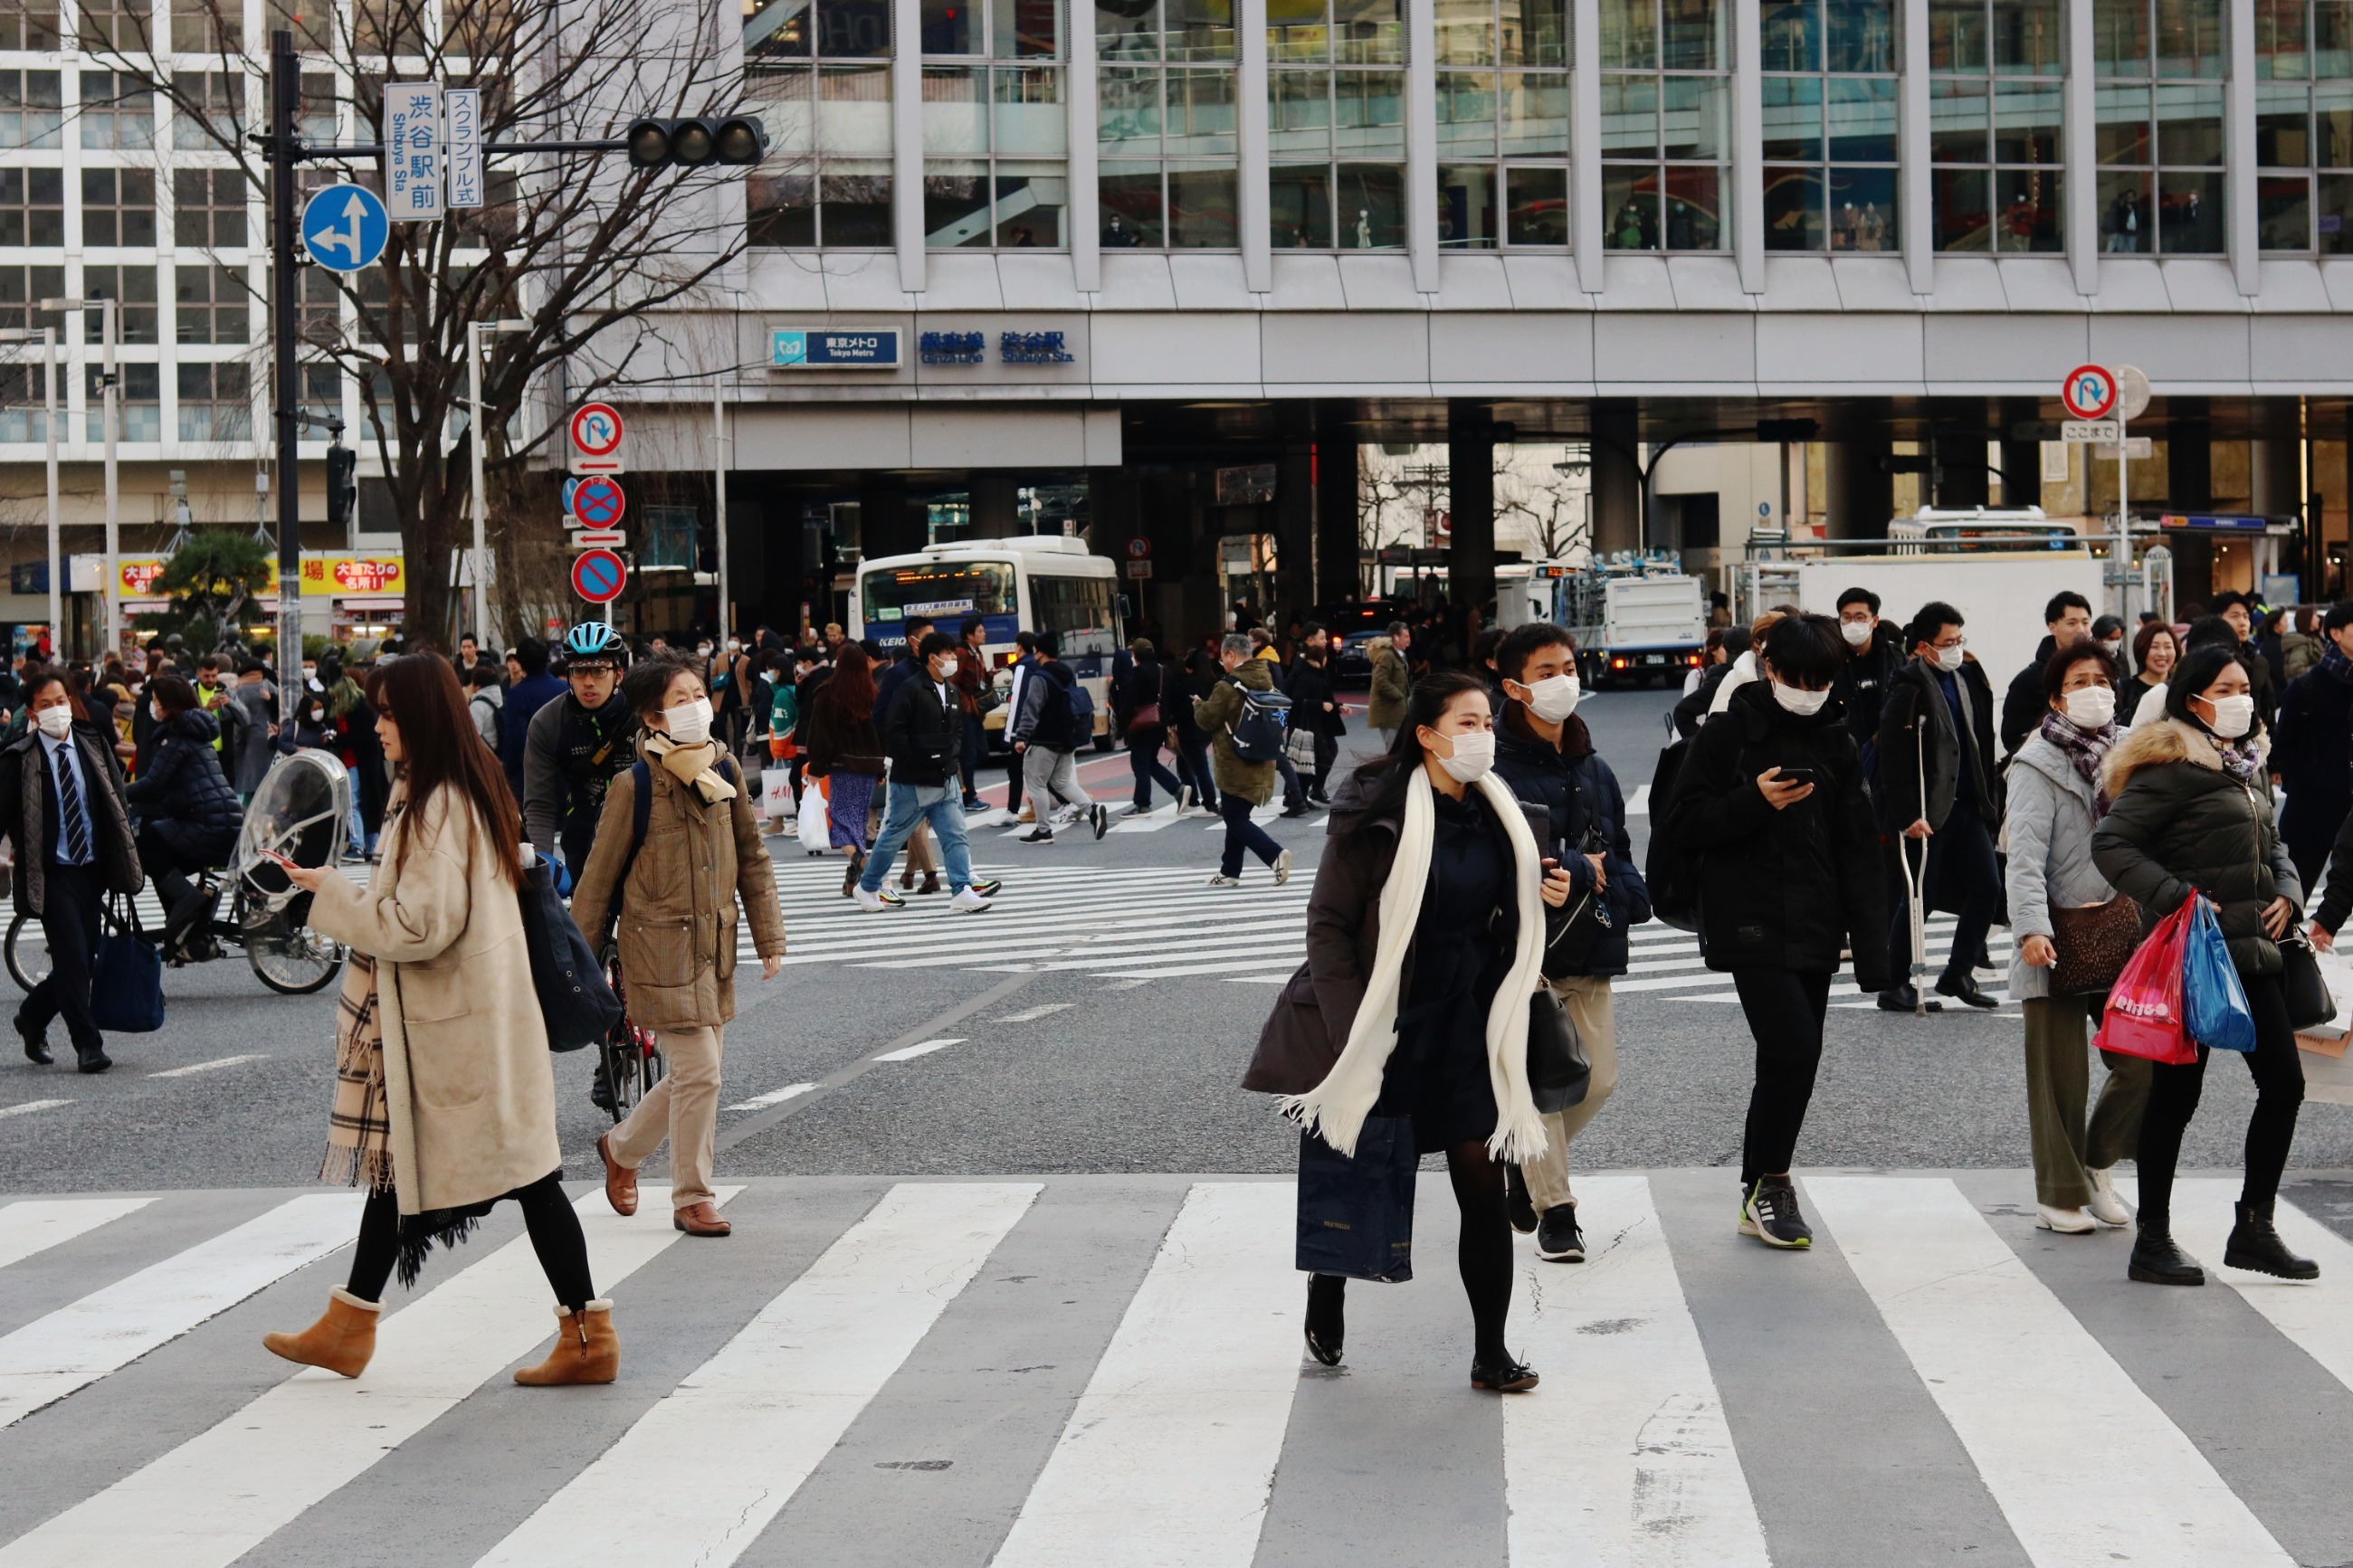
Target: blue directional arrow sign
<point>344,228</point>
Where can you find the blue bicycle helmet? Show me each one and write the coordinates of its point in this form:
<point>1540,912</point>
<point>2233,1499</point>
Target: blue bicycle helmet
<point>595,639</point>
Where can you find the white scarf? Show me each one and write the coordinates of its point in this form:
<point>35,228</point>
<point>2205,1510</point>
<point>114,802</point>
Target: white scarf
<point>1336,1108</point>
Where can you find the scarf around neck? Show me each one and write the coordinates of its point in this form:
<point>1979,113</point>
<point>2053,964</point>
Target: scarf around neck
<point>2240,757</point>
<point>2332,660</point>
<point>697,765</point>
<point>2085,751</point>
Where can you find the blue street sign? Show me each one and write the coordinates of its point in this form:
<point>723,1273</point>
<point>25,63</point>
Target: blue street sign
<point>344,228</point>
<point>569,485</point>
<point>861,348</point>
<point>598,503</point>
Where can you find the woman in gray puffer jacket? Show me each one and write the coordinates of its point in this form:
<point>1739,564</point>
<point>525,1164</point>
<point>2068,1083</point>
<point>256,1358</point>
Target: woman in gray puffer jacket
<point>2055,800</point>
<point>2193,816</point>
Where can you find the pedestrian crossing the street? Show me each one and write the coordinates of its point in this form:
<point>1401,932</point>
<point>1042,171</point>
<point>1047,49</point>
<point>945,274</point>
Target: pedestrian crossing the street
<point>1092,1372</point>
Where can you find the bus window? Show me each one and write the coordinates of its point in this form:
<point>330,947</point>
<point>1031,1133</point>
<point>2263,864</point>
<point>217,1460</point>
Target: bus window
<point>942,590</point>
<point>1079,609</point>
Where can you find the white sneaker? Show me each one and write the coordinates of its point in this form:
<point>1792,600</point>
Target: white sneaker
<point>867,901</point>
<point>968,903</point>
<point>1219,880</point>
<point>1184,800</point>
<point>2066,1222</point>
<point>1282,868</point>
<point>2105,1206</point>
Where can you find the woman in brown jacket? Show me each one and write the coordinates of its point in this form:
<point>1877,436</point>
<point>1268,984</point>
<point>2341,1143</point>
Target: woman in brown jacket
<point>445,1102</point>
<point>676,895</point>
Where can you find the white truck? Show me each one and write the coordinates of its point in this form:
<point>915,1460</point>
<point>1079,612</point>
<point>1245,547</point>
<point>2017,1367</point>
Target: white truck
<point>1628,626</point>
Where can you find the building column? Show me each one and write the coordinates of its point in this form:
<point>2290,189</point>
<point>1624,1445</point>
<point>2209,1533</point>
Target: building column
<point>2241,235</point>
<point>996,503</point>
<point>1748,144</point>
<point>883,527</point>
<point>1859,496</point>
<point>1339,575</point>
<point>1251,206</point>
<point>1421,142</point>
<point>1914,183</point>
<point>1471,499</point>
<point>1617,477</point>
<point>1962,478</point>
<point>2189,488</point>
<point>2022,461</point>
<point>2079,149</point>
<point>1082,209</point>
<point>907,142</point>
<point>1295,535</point>
<point>1587,236</point>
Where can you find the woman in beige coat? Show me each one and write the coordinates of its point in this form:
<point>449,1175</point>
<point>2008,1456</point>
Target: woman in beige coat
<point>676,895</point>
<point>445,1102</point>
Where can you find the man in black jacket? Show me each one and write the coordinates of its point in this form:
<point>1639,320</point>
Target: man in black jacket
<point>2312,749</point>
<point>1316,705</point>
<point>1937,787</point>
<point>920,738</point>
<point>1875,653</point>
<point>2066,619</point>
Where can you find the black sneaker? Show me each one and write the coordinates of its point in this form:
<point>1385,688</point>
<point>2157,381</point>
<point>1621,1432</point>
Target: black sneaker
<point>1101,816</point>
<point>1042,834</point>
<point>1770,1213</point>
<point>1523,1207</point>
<point>1558,1239</point>
<point>1298,808</point>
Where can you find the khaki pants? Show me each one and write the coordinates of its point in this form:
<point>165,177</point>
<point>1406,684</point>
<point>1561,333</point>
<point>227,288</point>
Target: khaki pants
<point>2058,1080</point>
<point>1586,998</point>
<point>683,1108</point>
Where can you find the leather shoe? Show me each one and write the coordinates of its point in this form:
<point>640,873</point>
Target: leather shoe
<point>1904,999</point>
<point>701,1219</point>
<point>37,1045</point>
<point>1965,989</point>
<point>620,1182</point>
<point>94,1059</point>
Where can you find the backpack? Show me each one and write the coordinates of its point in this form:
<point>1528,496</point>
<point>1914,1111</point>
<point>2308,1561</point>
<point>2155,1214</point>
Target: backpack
<point>1257,730</point>
<point>1671,869</point>
<point>641,810</point>
<point>498,718</point>
<point>1083,715</point>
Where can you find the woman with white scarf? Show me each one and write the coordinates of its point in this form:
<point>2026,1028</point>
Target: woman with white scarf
<point>1425,939</point>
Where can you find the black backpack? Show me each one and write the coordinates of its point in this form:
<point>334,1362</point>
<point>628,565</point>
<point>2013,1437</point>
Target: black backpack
<point>1257,730</point>
<point>1671,869</point>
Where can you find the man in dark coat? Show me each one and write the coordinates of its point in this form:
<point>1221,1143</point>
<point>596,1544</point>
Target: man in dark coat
<point>2312,749</point>
<point>1937,786</point>
<point>921,736</point>
<point>1875,653</point>
<point>2066,619</point>
<point>1315,706</point>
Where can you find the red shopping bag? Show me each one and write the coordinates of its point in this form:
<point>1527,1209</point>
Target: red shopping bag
<point>2144,1014</point>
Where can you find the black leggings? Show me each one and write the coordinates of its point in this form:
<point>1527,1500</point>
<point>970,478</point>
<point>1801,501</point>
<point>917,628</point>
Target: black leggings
<point>1784,1008</point>
<point>547,1213</point>
<point>1482,1252</point>
<point>2173,1101</point>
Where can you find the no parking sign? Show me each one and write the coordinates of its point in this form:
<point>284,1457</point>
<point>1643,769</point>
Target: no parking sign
<point>597,576</point>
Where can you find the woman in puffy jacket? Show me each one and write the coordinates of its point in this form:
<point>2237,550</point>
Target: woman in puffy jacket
<point>2193,816</point>
<point>188,816</point>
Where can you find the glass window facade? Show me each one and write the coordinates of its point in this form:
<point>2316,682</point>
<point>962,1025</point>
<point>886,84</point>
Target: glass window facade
<point>2159,65</point>
<point>1165,130</point>
<point>820,73</point>
<point>118,206</point>
<point>993,134</point>
<point>2304,126</point>
<point>1503,122</point>
<point>1996,100</point>
<point>1830,100</point>
<point>118,110</point>
<point>1335,122</point>
<point>31,109</point>
<point>208,208</point>
<point>138,402</point>
<point>216,402</point>
<point>1666,124</point>
<point>134,288</point>
<point>213,303</point>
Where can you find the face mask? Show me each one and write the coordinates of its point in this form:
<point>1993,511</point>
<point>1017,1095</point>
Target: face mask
<point>55,721</point>
<point>1554,698</point>
<point>2114,649</point>
<point>2090,706</point>
<point>1857,633</point>
<point>156,712</point>
<point>690,725</point>
<point>1948,659</point>
<point>1473,758</point>
<point>948,668</point>
<point>733,645</point>
<point>1799,700</point>
<point>2233,716</point>
<point>702,652</point>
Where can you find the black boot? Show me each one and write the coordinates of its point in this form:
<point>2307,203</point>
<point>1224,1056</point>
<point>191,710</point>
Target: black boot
<point>2255,1245</point>
<point>1325,1321</point>
<point>2156,1260</point>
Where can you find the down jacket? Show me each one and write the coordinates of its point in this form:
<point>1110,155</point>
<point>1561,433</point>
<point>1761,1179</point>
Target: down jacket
<point>2049,829</point>
<point>2179,822</point>
<point>1579,797</point>
<point>182,795</point>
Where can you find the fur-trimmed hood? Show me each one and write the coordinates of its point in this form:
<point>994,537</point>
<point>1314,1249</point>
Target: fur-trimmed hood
<point>2166,741</point>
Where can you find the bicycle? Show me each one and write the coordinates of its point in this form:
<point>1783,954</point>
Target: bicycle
<point>629,1059</point>
<point>289,958</point>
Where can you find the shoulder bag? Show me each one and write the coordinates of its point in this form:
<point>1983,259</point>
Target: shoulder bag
<point>578,1007</point>
<point>2309,1004</point>
<point>2093,943</point>
<point>1559,1070</point>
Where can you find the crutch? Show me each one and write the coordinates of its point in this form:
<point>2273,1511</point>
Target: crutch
<point>1916,888</point>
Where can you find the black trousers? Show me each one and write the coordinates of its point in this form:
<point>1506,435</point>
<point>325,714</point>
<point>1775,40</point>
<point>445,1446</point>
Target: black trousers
<point>1784,1008</point>
<point>167,868</point>
<point>1327,752</point>
<point>2173,1094</point>
<point>70,898</point>
<point>547,1213</point>
<point>1143,762</point>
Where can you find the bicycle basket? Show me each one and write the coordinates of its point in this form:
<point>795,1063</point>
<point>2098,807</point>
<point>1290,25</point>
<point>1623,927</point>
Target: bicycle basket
<point>301,812</point>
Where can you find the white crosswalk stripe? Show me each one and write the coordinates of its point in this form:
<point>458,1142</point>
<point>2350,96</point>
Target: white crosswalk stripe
<point>1179,1423</point>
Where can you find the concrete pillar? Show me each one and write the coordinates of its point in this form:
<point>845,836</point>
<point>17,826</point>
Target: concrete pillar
<point>1960,447</point>
<point>1617,479</point>
<point>1295,535</point>
<point>2189,475</point>
<point>2022,461</point>
<point>1471,498</point>
<point>995,506</point>
<point>1338,533</point>
<point>1858,495</point>
<point>883,516</point>
<point>2275,466</point>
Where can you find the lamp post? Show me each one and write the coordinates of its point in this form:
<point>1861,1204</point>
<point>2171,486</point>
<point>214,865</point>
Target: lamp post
<point>110,329</point>
<point>47,338</point>
<point>475,332</point>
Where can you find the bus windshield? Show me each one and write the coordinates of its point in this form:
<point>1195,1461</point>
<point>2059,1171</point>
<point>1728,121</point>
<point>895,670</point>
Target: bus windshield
<point>941,590</point>
<point>1079,609</point>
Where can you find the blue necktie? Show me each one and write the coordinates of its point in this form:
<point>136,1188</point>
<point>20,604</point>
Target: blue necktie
<point>69,812</point>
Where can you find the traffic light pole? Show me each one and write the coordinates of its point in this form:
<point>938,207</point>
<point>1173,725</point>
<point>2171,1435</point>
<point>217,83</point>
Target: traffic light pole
<point>285,278</point>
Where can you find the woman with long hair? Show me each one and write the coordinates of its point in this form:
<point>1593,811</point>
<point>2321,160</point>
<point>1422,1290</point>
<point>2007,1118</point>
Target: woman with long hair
<point>444,1100</point>
<point>1414,999</point>
<point>844,749</point>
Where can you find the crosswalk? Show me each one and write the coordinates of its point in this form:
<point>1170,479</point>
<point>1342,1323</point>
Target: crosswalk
<point>1106,1371</point>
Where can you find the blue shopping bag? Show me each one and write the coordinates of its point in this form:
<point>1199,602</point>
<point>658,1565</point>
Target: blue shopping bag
<point>1356,1212</point>
<point>2214,1001</point>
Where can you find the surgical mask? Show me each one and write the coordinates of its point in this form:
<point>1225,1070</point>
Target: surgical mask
<point>56,721</point>
<point>2090,706</point>
<point>703,651</point>
<point>1949,659</point>
<point>1857,633</point>
<point>948,668</point>
<point>733,645</point>
<point>156,711</point>
<point>690,725</point>
<point>1554,698</point>
<point>2114,649</point>
<point>1799,700</point>
<point>1473,758</point>
<point>2233,716</point>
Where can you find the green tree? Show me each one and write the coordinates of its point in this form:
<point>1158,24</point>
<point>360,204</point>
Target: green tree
<point>210,579</point>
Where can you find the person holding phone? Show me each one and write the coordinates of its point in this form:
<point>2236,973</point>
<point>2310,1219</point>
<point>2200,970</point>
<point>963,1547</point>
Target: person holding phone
<point>1770,801</point>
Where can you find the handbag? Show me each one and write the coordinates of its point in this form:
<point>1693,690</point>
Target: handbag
<point>2213,1002</point>
<point>2093,944</point>
<point>1299,745</point>
<point>2309,1003</point>
<point>1559,1071</point>
<point>1355,1211</point>
<point>1144,718</point>
<point>126,986</point>
<point>578,1007</point>
<point>776,794</point>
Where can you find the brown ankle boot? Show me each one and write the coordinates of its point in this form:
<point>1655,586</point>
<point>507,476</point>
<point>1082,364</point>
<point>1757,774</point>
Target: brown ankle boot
<point>586,1349</point>
<point>342,1342</point>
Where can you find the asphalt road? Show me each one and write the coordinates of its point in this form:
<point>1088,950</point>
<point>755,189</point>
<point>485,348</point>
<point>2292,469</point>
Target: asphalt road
<point>1055,1069</point>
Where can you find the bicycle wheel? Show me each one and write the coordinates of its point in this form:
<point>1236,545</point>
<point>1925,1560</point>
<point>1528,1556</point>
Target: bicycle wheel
<point>27,951</point>
<point>292,960</point>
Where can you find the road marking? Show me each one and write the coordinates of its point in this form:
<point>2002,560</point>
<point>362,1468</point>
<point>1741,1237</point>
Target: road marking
<point>2029,1391</point>
<point>2311,1313</point>
<point>1646,1472</point>
<point>1169,1457</point>
<point>714,1460</point>
<point>1150,822</point>
<point>774,1097</point>
<point>1031,1016</point>
<point>194,1068</point>
<point>37,1224</point>
<point>921,1049</point>
<point>224,1491</point>
<point>83,1340</point>
<point>28,1107</point>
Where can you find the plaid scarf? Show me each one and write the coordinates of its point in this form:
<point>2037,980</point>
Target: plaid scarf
<point>2085,751</point>
<point>359,1132</point>
<point>2332,660</point>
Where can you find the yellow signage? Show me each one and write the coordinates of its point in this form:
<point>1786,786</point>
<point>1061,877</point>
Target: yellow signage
<point>337,576</point>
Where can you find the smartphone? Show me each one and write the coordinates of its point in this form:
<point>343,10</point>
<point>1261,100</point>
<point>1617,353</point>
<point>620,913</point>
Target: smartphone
<point>1796,776</point>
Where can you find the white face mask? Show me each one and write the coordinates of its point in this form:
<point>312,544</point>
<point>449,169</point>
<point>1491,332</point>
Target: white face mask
<point>156,711</point>
<point>1857,633</point>
<point>1554,698</point>
<point>2114,649</point>
<point>690,725</point>
<point>948,668</point>
<point>2090,706</point>
<point>1799,700</point>
<point>55,721</point>
<point>2233,716</point>
<point>1473,758</point>
<point>1949,659</point>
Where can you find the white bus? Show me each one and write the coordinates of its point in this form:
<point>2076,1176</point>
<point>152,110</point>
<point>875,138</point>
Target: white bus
<point>1036,583</point>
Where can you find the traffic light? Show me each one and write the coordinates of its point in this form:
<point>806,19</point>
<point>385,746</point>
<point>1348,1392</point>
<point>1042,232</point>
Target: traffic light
<point>697,142</point>
<point>342,484</point>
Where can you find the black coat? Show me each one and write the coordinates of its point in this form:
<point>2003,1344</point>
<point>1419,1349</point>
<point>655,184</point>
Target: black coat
<point>1916,698</point>
<point>1791,889</point>
<point>1582,803</point>
<point>920,736</point>
<point>1310,687</point>
<point>2023,705</point>
<point>2311,752</point>
<point>1861,683</point>
<point>1139,686</point>
<point>180,794</point>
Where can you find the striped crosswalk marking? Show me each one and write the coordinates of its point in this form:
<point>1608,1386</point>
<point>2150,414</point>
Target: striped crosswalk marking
<point>37,1224</point>
<point>2308,1317</point>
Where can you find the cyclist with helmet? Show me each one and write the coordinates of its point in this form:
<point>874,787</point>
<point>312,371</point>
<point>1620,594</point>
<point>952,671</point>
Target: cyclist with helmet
<point>575,744</point>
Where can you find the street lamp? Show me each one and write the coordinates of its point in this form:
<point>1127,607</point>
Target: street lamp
<point>47,338</point>
<point>474,334</point>
<point>110,327</point>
